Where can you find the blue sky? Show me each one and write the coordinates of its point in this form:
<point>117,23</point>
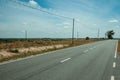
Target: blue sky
<point>90,15</point>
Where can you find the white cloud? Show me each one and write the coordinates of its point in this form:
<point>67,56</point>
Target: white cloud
<point>78,20</point>
<point>113,21</point>
<point>95,24</point>
<point>24,23</point>
<point>66,23</point>
<point>33,3</point>
<point>66,27</point>
<point>58,24</point>
<point>57,32</point>
<point>117,26</point>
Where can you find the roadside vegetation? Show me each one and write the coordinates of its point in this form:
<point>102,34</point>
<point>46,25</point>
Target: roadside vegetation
<point>38,43</point>
<point>23,48</point>
<point>119,47</point>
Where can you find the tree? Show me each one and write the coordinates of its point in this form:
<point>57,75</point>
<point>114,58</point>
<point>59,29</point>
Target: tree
<point>110,34</point>
<point>87,38</point>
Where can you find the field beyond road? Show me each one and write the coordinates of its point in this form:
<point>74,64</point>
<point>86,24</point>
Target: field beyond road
<point>17,49</point>
<point>31,43</point>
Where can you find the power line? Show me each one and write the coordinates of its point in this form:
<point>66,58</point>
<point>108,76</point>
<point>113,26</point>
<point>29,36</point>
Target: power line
<point>48,13</point>
<point>20,3</point>
<point>40,10</point>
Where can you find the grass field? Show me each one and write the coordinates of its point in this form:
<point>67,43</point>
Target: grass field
<point>32,43</point>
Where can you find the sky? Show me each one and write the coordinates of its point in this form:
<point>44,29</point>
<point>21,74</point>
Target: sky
<point>54,18</point>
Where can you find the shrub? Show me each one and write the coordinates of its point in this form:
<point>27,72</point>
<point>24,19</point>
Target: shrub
<point>14,50</point>
<point>87,38</point>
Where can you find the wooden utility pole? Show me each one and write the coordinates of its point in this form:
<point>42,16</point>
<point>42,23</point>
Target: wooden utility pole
<point>26,34</point>
<point>73,32</point>
<point>98,33</point>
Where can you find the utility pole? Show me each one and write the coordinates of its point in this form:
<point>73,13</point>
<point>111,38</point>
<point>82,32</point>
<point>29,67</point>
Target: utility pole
<point>77,35</point>
<point>73,32</point>
<point>26,34</point>
<point>105,35</point>
<point>98,33</point>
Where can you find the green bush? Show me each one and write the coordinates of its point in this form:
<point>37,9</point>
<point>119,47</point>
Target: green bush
<point>87,38</point>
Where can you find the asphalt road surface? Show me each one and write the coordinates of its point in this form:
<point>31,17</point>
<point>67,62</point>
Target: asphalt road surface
<point>95,61</point>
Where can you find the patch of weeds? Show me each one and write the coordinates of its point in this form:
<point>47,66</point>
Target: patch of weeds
<point>28,53</point>
<point>13,50</point>
<point>55,48</point>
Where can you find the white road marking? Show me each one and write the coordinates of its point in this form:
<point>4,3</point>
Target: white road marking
<point>115,56</point>
<point>112,78</point>
<point>65,60</point>
<point>116,50</point>
<point>86,51</point>
<point>114,64</point>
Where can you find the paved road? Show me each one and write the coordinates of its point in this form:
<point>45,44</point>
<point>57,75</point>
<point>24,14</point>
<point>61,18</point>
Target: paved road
<point>93,61</point>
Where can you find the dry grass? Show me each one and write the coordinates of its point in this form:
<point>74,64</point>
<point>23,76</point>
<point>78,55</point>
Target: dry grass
<point>32,43</point>
<point>14,56</point>
<point>119,47</point>
<point>13,49</point>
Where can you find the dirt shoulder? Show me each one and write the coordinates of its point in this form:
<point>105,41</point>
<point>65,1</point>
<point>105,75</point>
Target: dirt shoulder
<point>118,47</point>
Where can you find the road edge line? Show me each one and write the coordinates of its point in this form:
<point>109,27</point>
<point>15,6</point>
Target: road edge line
<point>116,50</point>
